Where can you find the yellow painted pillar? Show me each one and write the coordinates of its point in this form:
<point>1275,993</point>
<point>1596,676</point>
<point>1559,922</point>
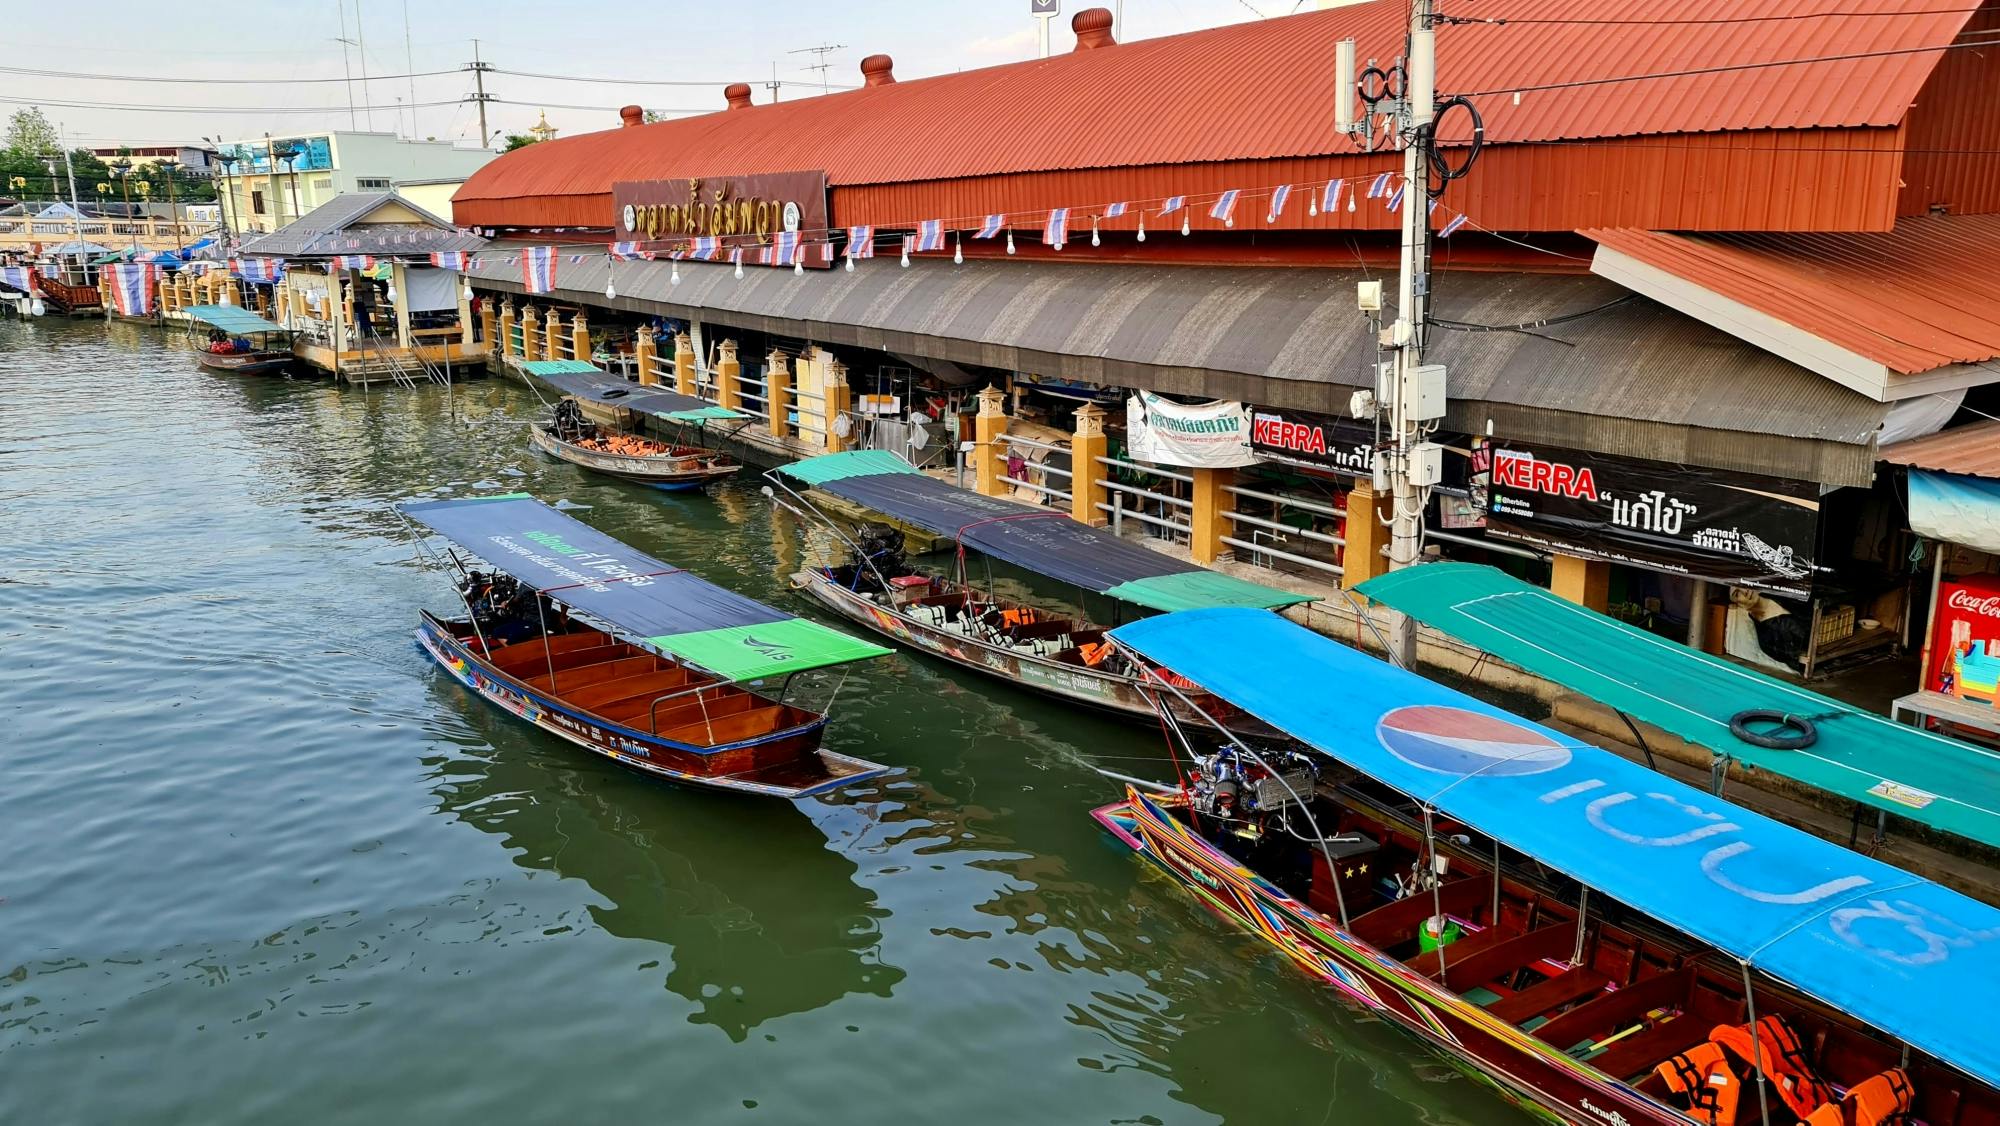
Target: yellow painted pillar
<point>1207,522</point>
<point>489,323</point>
<point>728,370</point>
<point>263,302</point>
<point>284,303</point>
<point>1367,534</point>
<point>839,401</point>
<point>1586,582</point>
<point>579,337</point>
<point>988,428</point>
<point>778,394</point>
<point>552,335</point>
<point>531,334</point>
<point>684,363</point>
<point>642,355</point>
<point>1086,482</point>
<point>506,341</point>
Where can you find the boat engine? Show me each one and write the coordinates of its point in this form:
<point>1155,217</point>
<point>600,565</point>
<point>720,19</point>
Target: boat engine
<point>1233,785</point>
<point>504,608</point>
<point>569,423</point>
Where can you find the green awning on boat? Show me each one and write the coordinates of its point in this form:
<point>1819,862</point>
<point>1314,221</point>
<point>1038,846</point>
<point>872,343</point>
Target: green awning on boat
<point>233,319</point>
<point>1195,590</point>
<point>1951,786</point>
<point>827,468</point>
<point>546,368</point>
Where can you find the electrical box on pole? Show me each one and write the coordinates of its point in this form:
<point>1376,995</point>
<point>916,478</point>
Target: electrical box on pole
<point>1424,397</point>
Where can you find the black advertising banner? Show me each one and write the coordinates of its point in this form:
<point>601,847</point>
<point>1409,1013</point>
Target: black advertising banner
<point>1736,528</point>
<point>1316,440</point>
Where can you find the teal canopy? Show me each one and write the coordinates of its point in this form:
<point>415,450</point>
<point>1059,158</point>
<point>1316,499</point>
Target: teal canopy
<point>1948,785</point>
<point>233,319</point>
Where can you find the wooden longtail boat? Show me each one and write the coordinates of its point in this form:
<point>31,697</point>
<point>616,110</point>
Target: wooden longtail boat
<point>620,451</point>
<point>230,321</point>
<point>1455,883</point>
<point>630,658</point>
<point>1052,653</point>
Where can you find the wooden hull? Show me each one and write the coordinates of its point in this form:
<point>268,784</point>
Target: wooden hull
<point>244,363</point>
<point>1529,1071</point>
<point>720,768</point>
<point>681,470</point>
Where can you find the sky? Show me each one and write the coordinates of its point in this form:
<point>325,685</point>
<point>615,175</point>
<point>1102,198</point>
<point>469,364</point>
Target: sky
<point>597,39</point>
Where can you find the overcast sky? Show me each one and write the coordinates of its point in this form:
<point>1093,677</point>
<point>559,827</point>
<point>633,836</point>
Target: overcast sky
<point>709,43</point>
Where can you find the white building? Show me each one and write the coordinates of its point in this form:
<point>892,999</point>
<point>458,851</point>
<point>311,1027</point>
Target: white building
<point>262,195</point>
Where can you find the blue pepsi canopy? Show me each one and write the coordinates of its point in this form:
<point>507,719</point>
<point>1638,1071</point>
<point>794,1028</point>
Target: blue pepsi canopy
<point>650,602</point>
<point>1914,959</point>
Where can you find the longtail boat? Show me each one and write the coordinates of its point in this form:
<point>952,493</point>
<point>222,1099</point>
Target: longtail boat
<point>631,658</point>
<point>619,451</point>
<point>1603,943</point>
<point>231,323</point>
<point>946,615</point>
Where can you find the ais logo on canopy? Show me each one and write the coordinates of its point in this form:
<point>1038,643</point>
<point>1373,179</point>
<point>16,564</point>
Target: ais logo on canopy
<point>1457,741</point>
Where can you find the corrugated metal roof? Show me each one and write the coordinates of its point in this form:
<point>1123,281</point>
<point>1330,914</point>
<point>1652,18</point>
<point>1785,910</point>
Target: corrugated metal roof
<point>1916,298</point>
<point>1264,90</point>
<point>330,227</point>
<point>1634,378</point>
<point>1973,450</point>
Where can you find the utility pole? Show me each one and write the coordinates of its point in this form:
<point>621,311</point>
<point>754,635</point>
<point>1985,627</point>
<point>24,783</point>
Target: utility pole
<point>410,69</point>
<point>361,48</point>
<point>479,70</point>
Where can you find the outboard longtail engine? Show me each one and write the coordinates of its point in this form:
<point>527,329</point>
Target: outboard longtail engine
<point>883,545</point>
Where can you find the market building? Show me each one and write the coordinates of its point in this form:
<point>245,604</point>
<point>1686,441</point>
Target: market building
<point>1681,310</point>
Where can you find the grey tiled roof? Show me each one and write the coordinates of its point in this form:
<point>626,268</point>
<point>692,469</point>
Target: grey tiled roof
<point>335,227</point>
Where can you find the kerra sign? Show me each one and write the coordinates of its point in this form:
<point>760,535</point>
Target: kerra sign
<point>747,210</point>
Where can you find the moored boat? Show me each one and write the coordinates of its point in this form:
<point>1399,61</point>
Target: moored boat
<point>240,341</point>
<point>620,451</point>
<point>1604,943</point>
<point>944,614</point>
<point>631,658</point>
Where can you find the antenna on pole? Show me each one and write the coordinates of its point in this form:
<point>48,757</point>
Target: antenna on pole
<point>822,51</point>
<point>410,68</point>
<point>361,48</point>
<point>1343,86</point>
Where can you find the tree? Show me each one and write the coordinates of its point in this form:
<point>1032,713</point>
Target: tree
<point>519,141</point>
<point>653,115</point>
<point>31,135</point>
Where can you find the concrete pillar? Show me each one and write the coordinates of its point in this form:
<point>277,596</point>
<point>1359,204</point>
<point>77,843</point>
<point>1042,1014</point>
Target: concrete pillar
<point>1086,482</point>
<point>684,361</point>
<point>1586,582</point>
<point>728,369</point>
<point>778,394</point>
<point>579,337</point>
<point>489,323</point>
<point>531,334</point>
<point>263,301</point>
<point>506,340</point>
<point>347,306</point>
<point>468,330</point>
<point>643,355</point>
<point>284,304</point>
<point>399,305</point>
<point>1207,523</point>
<point>839,400</point>
<point>552,335</point>
<point>988,428</point>
<point>1367,534</point>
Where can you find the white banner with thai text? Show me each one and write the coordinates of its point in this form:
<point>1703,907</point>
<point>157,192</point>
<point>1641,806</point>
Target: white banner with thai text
<point>1203,436</point>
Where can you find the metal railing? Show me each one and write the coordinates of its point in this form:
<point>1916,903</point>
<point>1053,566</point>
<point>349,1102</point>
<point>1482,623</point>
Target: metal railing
<point>1265,549</point>
<point>1484,545</point>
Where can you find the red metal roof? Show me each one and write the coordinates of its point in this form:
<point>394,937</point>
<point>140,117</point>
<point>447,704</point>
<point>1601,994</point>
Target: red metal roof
<point>1915,298</point>
<point>1973,450</point>
<point>1264,90</point>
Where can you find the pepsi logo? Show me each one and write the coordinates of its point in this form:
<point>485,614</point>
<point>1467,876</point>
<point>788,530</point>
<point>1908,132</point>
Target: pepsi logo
<point>1461,742</point>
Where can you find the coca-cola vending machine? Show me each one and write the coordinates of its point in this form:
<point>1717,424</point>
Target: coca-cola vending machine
<point>1965,641</point>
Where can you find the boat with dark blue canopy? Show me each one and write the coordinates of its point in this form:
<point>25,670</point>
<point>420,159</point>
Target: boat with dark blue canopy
<point>1605,943</point>
<point>620,451</point>
<point>631,657</point>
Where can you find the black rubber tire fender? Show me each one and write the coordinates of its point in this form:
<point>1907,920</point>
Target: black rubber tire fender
<point>1792,732</point>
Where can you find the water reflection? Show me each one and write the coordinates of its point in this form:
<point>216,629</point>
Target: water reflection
<point>760,918</point>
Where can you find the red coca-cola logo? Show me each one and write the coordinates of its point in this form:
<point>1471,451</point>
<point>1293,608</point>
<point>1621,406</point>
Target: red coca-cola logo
<point>1986,605</point>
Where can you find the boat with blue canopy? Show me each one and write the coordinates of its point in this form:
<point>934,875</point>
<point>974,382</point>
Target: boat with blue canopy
<point>1602,942</point>
<point>620,451</point>
<point>944,613</point>
<point>630,657</point>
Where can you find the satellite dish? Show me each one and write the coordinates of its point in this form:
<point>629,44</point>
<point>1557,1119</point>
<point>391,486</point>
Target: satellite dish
<point>919,437</point>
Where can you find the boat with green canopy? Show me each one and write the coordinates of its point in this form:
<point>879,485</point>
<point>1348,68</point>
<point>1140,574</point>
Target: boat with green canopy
<point>630,657</point>
<point>1739,714</point>
<point>943,613</point>
<point>621,451</point>
<point>240,341</point>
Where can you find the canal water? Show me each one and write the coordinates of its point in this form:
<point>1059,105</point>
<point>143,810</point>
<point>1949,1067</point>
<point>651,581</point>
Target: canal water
<point>261,861</point>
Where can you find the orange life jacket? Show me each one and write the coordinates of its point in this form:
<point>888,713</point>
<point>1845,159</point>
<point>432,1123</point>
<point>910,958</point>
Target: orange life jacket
<point>1177,680</point>
<point>1094,653</point>
<point>1702,1076</point>
<point>1782,1060</point>
<point>1017,617</point>
<point>1883,1100</point>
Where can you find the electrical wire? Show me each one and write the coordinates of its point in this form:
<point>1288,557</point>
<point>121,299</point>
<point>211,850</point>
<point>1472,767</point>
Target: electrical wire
<point>37,72</point>
<point>1701,21</point>
<point>130,108</point>
<point>1696,72</point>
<point>653,81</point>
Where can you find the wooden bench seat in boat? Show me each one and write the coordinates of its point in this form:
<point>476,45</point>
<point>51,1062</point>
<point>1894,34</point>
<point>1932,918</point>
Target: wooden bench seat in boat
<point>1601,1016</point>
<point>583,676</point>
<point>1640,1052</point>
<point>523,654</point>
<point>536,664</point>
<point>682,711</point>
<point>1396,923</point>
<point>716,731</point>
<point>1548,996</point>
<point>1505,958</point>
<point>603,699</point>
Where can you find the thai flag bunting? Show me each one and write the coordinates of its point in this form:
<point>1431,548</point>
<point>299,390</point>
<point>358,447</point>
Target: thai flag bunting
<point>450,259</point>
<point>1380,187</point>
<point>1056,233</point>
<point>15,277</point>
<point>624,251</point>
<point>1278,198</point>
<point>861,242</point>
<point>930,235</point>
<point>1396,200</point>
<point>575,258</point>
<point>264,271</point>
<point>1456,222</point>
<point>1432,206</point>
<point>991,227</point>
<point>1225,204</point>
<point>1332,196</point>
<point>1114,211</point>
<point>132,288</point>
<point>538,269</point>
<point>736,255</point>
<point>1174,203</point>
<point>826,252</point>
<point>705,248</point>
<point>784,248</point>
<point>362,262</point>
